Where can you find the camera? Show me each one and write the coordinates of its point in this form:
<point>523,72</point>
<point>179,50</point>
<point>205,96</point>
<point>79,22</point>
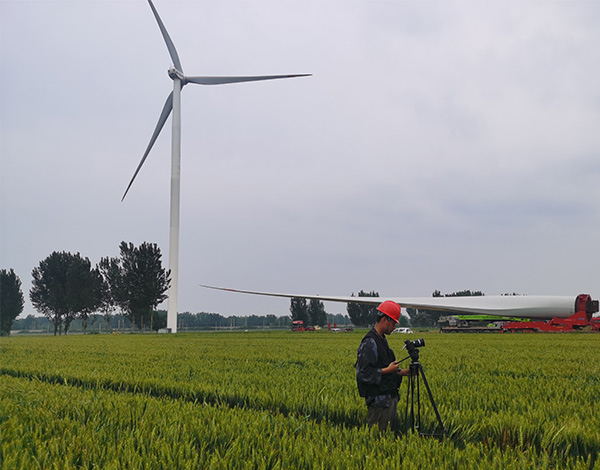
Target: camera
<point>417,343</point>
<point>411,347</point>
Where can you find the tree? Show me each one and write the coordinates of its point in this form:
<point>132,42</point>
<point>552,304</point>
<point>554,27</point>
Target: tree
<point>110,272</point>
<point>48,293</point>
<point>137,281</point>
<point>11,300</point>
<point>316,312</point>
<point>362,314</point>
<point>159,319</point>
<point>84,291</point>
<point>65,286</point>
<point>299,310</point>
<point>91,295</point>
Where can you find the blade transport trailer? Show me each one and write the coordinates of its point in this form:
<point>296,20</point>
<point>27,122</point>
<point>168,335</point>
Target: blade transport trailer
<point>582,319</point>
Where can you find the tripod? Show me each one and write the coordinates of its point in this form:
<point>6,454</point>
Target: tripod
<point>416,371</point>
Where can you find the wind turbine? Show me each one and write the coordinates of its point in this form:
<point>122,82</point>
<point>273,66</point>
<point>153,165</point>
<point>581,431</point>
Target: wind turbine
<point>173,104</point>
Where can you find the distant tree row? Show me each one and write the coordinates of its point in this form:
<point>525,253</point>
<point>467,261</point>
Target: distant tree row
<point>98,323</point>
<point>429,318</point>
<point>203,321</point>
<point>313,312</point>
<point>186,321</point>
<point>66,286</point>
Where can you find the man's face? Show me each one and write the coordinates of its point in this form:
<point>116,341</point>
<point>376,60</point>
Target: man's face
<point>391,324</point>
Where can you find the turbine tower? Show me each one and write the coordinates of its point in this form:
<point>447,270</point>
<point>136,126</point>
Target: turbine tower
<point>173,104</point>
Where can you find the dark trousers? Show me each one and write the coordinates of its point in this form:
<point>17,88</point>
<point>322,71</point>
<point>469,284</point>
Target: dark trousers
<point>384,417</point>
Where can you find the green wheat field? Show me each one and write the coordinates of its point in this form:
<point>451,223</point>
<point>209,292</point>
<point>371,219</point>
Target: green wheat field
<point>286,400</point>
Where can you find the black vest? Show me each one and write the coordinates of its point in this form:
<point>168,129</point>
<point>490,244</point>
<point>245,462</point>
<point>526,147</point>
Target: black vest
<point>389,382</point>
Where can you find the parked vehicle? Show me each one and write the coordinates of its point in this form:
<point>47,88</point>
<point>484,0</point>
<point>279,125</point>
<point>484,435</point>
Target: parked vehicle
<point>403,330</point>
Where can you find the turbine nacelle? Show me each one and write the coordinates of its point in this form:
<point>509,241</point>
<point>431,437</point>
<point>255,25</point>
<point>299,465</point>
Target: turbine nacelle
<point>176,74</point>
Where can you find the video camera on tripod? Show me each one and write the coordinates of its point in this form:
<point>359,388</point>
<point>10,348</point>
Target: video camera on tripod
<point>411,347</point>
<point>413,420</point>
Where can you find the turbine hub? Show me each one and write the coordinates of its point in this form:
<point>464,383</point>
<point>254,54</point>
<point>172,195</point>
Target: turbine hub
<point>175,74</point>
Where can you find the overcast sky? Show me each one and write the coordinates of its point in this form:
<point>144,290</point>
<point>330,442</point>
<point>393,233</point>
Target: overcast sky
<point>438,145</point>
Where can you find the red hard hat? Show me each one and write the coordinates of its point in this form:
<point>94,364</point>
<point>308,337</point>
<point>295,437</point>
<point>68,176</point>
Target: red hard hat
<point>391,309</point>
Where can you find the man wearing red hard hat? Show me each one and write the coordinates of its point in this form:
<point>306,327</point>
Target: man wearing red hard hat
<point>377,373</point>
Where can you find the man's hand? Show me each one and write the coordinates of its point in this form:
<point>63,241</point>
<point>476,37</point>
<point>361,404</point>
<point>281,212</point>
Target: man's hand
<point>404,372</point>
<point>393,367</point>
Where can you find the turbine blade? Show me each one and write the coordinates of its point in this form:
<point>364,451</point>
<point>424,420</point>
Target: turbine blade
<point>223,80</point>
<point>161,122</point>
<point>170,45</point>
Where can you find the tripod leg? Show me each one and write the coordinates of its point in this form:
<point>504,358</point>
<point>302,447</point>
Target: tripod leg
<point>412,404</point>
<point>437,414</point>
<point>418,420</point>
<point>407,403</point>
<point>415,419</point>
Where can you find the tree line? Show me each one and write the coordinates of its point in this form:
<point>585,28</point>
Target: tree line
<point>205,321</point>
<point>187,321</point>
<point>66,287</point>
<point>429,318</point>
<point>312,312</point>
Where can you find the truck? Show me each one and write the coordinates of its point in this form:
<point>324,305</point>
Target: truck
<point>298,325</point>
<point>470,324</point>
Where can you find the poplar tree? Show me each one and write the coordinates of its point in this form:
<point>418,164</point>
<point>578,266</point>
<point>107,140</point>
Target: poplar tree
<point>11,300</point>
<point>362,314</point>
<point>299,310</point>
<point>137,281</point>
<point>316,312</point>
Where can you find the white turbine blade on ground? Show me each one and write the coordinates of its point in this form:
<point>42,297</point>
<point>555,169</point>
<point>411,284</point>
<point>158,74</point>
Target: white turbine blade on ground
<point>164,115</point>
<point>224,80</point>
<point>522,306</point>
<point>170,45</point>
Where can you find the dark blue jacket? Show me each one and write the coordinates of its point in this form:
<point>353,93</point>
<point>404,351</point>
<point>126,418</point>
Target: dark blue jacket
<point>373,355</point>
